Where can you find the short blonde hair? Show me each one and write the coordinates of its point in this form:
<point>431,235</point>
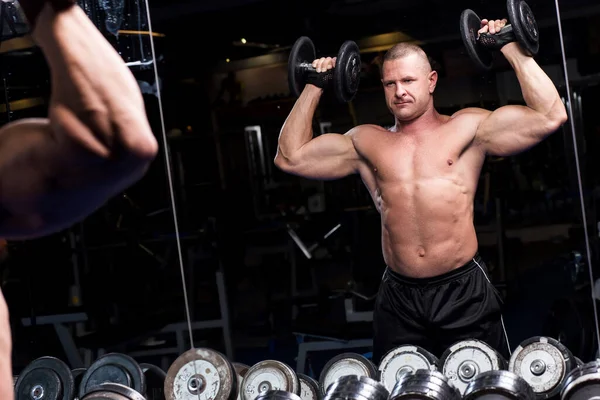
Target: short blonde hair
<point>404,49</point>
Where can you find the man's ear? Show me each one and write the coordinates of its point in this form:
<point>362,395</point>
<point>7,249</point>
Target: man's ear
<point>433,77</point>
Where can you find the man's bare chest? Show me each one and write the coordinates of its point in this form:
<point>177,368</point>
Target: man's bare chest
<point>403,160</point>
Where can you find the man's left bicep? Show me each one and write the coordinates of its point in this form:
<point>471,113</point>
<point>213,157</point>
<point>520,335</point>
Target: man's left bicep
<point>510,130</point>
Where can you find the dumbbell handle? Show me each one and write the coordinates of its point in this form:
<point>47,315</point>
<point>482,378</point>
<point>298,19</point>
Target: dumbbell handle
<point>321,79</point>
<point>507,32</point>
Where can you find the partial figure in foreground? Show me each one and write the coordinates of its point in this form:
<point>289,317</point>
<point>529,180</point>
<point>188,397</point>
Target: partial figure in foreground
<point>95,142</point>
<point>422,175</point>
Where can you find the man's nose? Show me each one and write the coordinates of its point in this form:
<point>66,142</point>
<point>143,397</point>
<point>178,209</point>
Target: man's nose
<point>400,91</point>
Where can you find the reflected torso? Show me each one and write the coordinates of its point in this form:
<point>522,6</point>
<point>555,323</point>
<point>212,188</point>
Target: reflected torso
<point>423,186</point>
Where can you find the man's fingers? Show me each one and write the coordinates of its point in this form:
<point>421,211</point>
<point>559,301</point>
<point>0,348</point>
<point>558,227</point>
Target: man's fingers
<point>492,26</point>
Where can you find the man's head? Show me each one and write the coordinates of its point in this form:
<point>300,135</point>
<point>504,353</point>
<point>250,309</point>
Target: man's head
<point>408,81</point>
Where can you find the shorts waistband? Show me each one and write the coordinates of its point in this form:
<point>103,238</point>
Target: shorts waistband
<point>475,262</point>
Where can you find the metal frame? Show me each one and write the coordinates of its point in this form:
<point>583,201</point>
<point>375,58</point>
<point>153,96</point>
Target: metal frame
<point>76,360</point>
<point>329,343</point>
<point>180,328</point>
<point>59,323</point>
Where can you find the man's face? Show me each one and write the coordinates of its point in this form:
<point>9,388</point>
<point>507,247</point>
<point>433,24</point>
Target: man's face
<point>408,84</point>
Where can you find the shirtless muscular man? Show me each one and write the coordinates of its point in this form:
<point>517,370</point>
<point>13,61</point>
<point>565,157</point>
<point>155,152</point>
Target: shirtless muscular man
<point>95,142</point>
<point>422,175</point>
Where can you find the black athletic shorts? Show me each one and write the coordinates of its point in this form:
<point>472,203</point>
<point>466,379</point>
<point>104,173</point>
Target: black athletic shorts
<point>436,312</point>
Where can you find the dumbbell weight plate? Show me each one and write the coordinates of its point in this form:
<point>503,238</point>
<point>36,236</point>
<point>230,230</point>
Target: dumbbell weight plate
<point>113,368</point>
<point>155,381</point>
<point>309,388</point>
<point>46,378</point>
<point>524,25</point>
<point>345,364</point>
<point>201,373</point>
<point>269,375</point>
<point>346,74</point>
<point>466,359</point>
<point>240,370</point>
<point>404,359</point>
<point>278,395</point>
<point>423,384</point>
<point>470,23</point>
<point>583,383</point>
<point>354,387</point>
<point>544,364</point>
<point>112,391</point>
<point>77,376</point>
<point>303,52</point>
<point>498,385</point>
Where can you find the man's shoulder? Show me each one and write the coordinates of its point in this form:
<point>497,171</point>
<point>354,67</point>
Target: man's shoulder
<point>471,112</point>
<point>366,128</point>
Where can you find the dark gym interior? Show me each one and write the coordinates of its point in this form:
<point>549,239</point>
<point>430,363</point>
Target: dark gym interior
<point>276,266</point>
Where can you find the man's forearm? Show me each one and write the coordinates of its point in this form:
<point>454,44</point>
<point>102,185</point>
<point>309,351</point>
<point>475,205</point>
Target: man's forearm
<point>297,129</point>
<point>539,92</point>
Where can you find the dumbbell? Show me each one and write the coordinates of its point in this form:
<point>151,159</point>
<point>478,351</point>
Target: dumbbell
<point>498,385</point>
<point>544,363</point>
<point>465,359</point>
<point>522,25</point>
<point>345,76</point>
<point>354,387</point>
<point>113,368</point>
<point>346,364</point>
<point>201,373</point>
<point>424,384</point>
<point>45,378</point>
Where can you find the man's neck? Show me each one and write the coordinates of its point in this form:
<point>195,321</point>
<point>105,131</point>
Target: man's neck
<point>426,121</point>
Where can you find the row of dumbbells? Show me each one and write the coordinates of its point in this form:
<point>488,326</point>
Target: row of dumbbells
<point>112,376</point>
<point>540,367</point>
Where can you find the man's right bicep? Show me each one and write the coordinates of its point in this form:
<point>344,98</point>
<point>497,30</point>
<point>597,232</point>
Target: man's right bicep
<point>329,156</point>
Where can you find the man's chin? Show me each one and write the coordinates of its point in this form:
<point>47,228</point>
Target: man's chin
<point>405,117</point>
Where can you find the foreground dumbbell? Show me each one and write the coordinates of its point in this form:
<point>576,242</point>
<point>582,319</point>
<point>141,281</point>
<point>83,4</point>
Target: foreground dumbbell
<point>113,368</point>
<point>466,359</point>
<point>309,388</point>
<point>345,364</point>
<point>278,395</point>
<point>583,382</point>
<point>404,359</point>
<point>522,25</point>
<point>269,375</point>
<point>345,77</point>
<point>45,378</point>
<point>112,391</point>
<point>155,381</point>
<point>353,387</point>
<point>543,363</point>
<point>498,385</point>
<point>201,373</point>
<point>424,384</point>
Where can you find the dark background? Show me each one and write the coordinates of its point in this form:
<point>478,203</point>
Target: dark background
<point>122,268</point>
